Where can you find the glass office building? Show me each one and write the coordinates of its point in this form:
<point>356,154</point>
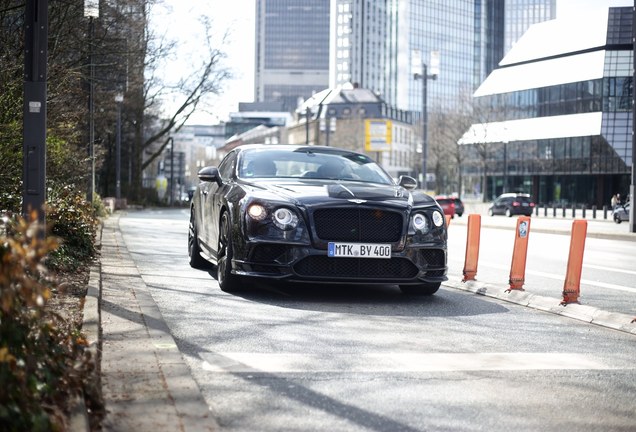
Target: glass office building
<point>292,50</point>
<point>556,116</point>
<point>380,45</point>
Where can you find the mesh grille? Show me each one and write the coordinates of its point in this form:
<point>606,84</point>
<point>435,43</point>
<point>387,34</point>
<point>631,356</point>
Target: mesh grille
<point>358,225</point>
<point>359,268</point>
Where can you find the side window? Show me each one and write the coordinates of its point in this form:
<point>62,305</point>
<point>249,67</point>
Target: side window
<point>227,165</point>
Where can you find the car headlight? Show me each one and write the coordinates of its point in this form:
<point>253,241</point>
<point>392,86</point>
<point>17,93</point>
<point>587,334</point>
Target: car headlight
<point>420,223</point>
<point>257,212</point>
<point>285,219</point>
<point>438,219</point>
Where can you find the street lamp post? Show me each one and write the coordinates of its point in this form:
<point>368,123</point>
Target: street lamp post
<point>119,98</point>
<point>171,171</point>
<point>505,166</point>
<point>307,112</point>
<point>91,11</point>
<point>36,31</point>
<point>632,186</point>
<point>425,76</point>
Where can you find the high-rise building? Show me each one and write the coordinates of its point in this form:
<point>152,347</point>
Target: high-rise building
<point>380,45</point>
<point>556,116</point>
<point>292,50</point>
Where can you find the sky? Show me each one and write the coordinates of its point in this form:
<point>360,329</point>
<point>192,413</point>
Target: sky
<point>177,19</point>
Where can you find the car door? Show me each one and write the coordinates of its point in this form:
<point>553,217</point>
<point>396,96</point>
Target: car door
<point>498,206</point>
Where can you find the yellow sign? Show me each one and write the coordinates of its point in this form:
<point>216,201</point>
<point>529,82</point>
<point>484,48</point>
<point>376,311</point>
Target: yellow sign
<point>378,135</point>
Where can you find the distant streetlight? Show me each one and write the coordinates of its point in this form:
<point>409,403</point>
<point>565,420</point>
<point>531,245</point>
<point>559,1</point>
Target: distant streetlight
<point>425,76</point>
<point>170,200</point>
<point>91,11</point>
<point>307,113</point>
<point>119,98</point>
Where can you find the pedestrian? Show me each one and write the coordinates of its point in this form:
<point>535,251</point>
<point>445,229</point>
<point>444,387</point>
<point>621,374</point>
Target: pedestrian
<point>613,201</point>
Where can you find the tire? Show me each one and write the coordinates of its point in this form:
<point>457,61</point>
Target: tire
<point>617,219</point>
<point>491,212</point>
<point>194,251</point>
<point>508,212</point>
<point>426,289</point>
<point>228,282</point>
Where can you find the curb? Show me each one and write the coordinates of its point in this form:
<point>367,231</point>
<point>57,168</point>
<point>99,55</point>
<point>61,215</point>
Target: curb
<point>588,314</point>
<point>91,320</point>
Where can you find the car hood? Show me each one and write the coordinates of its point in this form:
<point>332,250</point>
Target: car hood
<point>309,193</point>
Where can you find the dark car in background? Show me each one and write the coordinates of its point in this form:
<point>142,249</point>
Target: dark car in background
<point>511,204</point>
<point>447,203</point>
<point>459,206</point>
<point>621,213</point>
<point>314,214</point>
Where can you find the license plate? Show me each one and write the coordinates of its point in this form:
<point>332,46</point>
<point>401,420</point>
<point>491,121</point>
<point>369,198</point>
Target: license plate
<point>358,250</point>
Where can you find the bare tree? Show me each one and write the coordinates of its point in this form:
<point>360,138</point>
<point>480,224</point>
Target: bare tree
<point>139,53</point>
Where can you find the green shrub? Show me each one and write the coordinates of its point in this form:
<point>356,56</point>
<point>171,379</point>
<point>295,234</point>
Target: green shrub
<point>72,219</point>
<point>43,361</point>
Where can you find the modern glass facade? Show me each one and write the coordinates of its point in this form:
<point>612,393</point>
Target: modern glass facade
<point>562,129</point>
<point>380,45</point>
<point>292,50</point>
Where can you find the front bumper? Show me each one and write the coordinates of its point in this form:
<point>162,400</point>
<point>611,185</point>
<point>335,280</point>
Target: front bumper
<point>412,265</point>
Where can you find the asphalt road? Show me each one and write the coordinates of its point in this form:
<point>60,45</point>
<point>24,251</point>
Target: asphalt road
<point>317,358</point>
<point>608,279</point>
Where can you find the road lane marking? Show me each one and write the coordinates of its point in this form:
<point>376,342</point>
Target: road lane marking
<point>250,362</point>
<point>609,269</point>
<point>562,277</point>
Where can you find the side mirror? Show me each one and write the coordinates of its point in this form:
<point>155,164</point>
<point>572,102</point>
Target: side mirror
<point>407,182</point>
<point>209,174</point>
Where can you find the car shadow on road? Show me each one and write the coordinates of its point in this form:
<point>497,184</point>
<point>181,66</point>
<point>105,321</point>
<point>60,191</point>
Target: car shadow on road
<point>377,300</point>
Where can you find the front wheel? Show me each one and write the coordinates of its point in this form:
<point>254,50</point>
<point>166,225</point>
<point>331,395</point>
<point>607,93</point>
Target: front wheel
<point>491,212</point>
<point>617,219</point>
<point>421,289</point>
<point>228,282</point>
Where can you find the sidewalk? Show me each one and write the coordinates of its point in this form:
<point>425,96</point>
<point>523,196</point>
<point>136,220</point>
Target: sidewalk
<point>596,228</point>
<point>146,384</point>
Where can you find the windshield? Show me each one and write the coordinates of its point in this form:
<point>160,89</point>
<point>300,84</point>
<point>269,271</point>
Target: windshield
<point>310,164</point>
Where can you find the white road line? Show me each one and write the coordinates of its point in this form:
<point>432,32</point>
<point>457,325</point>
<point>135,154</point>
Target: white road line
<point>609,269</point>
<point>250,362</point>
<point>562,278</point>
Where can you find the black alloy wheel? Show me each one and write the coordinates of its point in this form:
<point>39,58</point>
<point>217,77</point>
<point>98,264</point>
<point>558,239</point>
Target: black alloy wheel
<point>228,282</point>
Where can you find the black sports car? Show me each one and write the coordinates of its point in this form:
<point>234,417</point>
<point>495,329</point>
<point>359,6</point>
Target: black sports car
<point>314,214</point>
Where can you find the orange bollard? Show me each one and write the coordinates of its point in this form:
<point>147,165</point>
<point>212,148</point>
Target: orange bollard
<point>472,247</point>
<point>519,254</point>
<point>572,285</point>
<point>448,219</point>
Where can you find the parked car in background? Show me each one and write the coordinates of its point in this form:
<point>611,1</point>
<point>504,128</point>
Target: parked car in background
<point>447,204</point>
<point>621,213</point>
<point>314,214</point>
<point>510,204</point>
<point>459,206</point>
